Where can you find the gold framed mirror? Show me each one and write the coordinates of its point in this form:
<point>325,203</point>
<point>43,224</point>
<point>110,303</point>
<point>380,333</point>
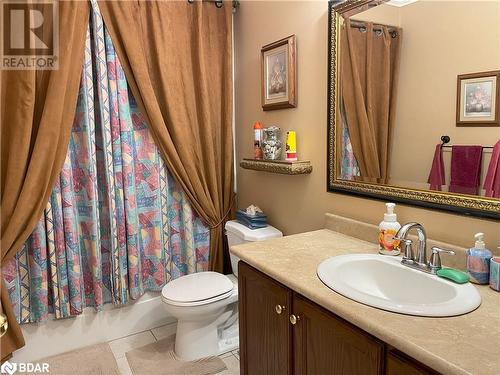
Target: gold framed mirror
<point>353,15</point>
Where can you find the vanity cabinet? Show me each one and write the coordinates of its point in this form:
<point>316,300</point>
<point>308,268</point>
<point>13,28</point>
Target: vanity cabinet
<point>265,331</point>
<point>399,364</point>
<point>325,344</point>
<point>283,333</point>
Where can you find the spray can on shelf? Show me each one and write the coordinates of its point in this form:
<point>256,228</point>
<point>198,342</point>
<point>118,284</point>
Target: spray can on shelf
<point>257,140</point>
<point>291,146</point>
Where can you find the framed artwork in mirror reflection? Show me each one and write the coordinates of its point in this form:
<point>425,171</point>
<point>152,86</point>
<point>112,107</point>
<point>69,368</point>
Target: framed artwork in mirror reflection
<point>478,96</point>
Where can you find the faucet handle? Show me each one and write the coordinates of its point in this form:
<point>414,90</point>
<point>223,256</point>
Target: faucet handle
<point>408,250</point>
<point>435,263</point>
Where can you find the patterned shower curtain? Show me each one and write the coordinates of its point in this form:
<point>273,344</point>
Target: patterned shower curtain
<point>349,168</point>
<point>117,224</point>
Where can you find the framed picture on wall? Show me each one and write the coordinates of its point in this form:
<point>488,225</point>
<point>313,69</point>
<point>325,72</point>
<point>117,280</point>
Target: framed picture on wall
<point>478,96</point>
<point>279,74</point>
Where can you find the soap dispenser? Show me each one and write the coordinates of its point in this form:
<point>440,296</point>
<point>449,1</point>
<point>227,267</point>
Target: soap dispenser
<point>387,230</point>
<point>478,261</point>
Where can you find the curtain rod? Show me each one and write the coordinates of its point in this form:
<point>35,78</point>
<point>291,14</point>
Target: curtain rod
<point>362,28</point>
<point>219,3</point>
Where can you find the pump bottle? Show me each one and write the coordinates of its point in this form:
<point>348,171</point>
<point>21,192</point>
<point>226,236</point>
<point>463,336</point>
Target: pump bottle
<point>478,261</point>
<point>387,230</point>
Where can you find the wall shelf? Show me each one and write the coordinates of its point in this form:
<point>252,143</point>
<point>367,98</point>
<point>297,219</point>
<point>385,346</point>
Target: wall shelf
<point>278,166</point>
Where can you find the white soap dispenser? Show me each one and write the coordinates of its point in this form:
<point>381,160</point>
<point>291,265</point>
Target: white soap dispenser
<point>387,230</point>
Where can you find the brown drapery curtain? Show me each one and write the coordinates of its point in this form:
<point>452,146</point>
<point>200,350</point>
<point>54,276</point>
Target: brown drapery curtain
<point>178,63</point>
<point>37,112</point>
<point>369,66</point>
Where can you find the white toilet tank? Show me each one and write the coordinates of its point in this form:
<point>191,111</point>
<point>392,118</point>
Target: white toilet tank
<point>238,233</point>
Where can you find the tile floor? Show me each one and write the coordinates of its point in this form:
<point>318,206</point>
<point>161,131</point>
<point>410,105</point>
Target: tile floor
<point>120,346</point>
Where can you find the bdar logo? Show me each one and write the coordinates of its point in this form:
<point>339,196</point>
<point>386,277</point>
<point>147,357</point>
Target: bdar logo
<point>8,368</point>
<point>24,367</point>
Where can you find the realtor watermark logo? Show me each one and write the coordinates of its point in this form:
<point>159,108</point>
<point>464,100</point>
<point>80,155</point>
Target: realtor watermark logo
<point>28,367</point>
<point>30,34</point>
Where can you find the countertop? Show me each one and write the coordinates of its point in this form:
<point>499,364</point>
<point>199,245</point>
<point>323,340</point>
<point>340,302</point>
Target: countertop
<point>466,344</point>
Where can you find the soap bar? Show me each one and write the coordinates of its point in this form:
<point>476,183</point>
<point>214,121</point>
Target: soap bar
<point>456,276</point>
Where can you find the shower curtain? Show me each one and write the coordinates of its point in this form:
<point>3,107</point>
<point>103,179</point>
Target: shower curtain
<point>369,67</point>
<point>117,224</point>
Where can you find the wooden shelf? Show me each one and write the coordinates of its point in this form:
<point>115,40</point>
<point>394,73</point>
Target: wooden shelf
<point>278,166</point>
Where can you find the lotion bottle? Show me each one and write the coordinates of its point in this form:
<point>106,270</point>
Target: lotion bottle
<point>478,261</point>
<point>387,230</point>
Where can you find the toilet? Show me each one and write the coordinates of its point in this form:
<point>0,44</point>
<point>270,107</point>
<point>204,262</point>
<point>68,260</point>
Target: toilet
<point>205,304</point>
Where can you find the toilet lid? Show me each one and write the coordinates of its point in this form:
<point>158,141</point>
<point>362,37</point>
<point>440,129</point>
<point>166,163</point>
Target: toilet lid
<point>197,287</point>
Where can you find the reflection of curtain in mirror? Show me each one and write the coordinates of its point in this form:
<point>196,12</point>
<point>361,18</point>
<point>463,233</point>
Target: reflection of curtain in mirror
<point>349,169</point>
<point>369,59</point>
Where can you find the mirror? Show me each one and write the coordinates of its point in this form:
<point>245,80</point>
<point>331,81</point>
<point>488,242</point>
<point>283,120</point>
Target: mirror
<point>410,80</point>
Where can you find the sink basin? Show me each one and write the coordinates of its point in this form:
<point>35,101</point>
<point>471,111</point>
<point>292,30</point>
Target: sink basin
<point>383,282</point>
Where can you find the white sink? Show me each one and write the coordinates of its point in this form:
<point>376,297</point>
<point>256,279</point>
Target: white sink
<point>383,282</point>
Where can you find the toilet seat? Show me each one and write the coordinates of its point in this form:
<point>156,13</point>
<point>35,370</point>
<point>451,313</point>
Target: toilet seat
<point>198,303</point>
<point>197,289</point>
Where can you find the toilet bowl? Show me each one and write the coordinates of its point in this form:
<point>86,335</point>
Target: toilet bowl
<point>205,304</point>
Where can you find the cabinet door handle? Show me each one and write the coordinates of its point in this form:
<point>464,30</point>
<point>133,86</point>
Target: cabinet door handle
<point>279,309</point>
<point>294,319</point>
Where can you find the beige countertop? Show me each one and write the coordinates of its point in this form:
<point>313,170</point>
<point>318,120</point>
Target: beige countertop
<point>467,344</point>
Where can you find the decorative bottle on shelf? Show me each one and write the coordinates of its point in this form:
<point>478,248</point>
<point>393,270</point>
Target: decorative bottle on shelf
<point>272,143</point>
<point>387,230</point>
<point>291,146</point>
<point>257,140</point>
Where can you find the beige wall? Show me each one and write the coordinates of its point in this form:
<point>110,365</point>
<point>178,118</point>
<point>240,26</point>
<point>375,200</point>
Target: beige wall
<point>431,58</point>
<point>384,14</point>
<point>298,203</point>
<point>466,40</point>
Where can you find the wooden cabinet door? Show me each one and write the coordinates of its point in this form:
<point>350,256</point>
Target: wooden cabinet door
<point>399,364</point>
<point>265,334</point>
<point>325,344</point>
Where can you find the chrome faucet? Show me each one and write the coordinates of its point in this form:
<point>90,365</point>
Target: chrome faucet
<point>419,261</point>
<point>421,258</point>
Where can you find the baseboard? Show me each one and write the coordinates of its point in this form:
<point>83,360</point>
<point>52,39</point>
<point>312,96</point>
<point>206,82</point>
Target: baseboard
<point>58,336</point>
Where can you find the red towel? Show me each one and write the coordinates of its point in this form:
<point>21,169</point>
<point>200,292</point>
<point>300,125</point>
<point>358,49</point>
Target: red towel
<point>436,175</point>
<point>492,180</point>
<point>466,169</point>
